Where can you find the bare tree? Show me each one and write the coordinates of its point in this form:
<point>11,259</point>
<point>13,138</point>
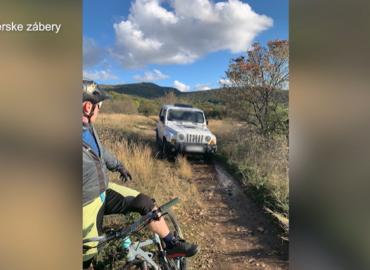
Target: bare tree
<point>168,98</point>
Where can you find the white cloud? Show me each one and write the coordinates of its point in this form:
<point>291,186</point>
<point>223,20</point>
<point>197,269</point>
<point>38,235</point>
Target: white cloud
<point>100,75</point>
<point>199,87</point>
<point>180,86</point>
<point>223,82</point>
<point>150,76</point>
<point>184,33</point>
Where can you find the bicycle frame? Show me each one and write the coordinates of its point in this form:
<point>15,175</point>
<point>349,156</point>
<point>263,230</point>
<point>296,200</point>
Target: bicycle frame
<point>135,249</point>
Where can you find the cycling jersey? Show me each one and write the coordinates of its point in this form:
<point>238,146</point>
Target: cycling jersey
<point>95,173</point>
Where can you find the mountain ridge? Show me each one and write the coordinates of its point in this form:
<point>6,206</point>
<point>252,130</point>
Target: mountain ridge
<point>150,90</point>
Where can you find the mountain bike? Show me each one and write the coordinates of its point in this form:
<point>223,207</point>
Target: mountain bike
<point>135,256</point>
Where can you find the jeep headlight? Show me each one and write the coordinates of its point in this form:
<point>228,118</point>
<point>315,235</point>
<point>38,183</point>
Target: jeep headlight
<point>181,137</point>
<point>207,138</point>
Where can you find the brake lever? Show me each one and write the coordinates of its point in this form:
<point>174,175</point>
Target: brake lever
<point>157,218</point>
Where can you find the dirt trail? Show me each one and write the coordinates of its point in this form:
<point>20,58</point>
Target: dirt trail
<point>231,229</point>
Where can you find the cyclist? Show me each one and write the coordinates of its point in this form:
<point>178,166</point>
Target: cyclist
<point>101,197</point>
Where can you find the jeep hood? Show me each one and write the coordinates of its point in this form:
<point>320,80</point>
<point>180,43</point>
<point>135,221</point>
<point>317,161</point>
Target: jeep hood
<point>188,128</point>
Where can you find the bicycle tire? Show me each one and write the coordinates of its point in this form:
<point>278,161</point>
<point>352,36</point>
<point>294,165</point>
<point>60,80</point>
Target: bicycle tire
<point>175,229</point>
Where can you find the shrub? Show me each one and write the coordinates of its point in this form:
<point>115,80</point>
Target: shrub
<point>119,106</point>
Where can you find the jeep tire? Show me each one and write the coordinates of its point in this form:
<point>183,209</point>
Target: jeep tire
<point>157,138</point>
<point>164,149</point>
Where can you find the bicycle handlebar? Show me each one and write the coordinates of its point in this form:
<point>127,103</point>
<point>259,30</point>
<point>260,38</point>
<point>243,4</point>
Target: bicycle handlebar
<point>168,205</point>
<point>133,226</point>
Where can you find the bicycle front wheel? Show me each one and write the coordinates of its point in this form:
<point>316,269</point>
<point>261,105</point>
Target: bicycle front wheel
<point>174,227</point>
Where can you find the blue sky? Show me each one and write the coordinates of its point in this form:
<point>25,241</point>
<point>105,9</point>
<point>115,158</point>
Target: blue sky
<point>175,43</point>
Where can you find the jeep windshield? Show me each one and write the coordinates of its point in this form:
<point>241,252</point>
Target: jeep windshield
<point>185,116</point>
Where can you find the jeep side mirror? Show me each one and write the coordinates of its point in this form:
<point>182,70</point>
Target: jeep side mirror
<point>207,122</point>
<point>161,118</point>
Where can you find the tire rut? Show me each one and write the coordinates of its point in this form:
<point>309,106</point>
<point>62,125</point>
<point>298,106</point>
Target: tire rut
<point>231,229</point>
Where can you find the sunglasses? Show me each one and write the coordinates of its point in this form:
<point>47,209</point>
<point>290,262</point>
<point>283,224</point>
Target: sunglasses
<point>99,104</point>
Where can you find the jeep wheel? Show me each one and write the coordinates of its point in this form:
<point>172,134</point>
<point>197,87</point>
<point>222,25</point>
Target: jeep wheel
<point>164,149</point>
<point>157,138</point>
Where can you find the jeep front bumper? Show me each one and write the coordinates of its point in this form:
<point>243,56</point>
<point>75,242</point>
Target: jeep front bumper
<point>192,148</point>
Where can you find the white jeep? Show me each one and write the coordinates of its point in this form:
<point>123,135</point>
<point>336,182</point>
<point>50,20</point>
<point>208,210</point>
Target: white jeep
<point>183,129</point>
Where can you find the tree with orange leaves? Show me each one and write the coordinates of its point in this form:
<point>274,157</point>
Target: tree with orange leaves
<point>254,85</point>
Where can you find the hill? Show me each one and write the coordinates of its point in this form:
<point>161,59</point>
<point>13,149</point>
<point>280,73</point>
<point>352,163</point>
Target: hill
<point>153,91</point>
<point>201,96</point>
<point>145,90</point>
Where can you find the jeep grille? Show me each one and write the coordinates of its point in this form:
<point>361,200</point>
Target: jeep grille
<point>194,138</point>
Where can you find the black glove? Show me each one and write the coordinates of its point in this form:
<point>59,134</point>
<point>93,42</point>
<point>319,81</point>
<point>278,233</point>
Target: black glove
<point>125,174</point>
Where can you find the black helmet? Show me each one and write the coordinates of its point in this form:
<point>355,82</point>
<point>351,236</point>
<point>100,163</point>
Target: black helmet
<point>91,91</point>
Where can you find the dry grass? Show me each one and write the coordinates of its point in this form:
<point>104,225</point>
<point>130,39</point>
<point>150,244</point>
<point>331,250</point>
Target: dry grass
<point>131,139</point>
<point>183,168</point>
<point>283,221</point>
<point>151,176</point>
<point>138,124</point>
<point>261,163</point>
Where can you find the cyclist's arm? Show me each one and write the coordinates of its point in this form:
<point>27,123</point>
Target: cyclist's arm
<point>112,163</point>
